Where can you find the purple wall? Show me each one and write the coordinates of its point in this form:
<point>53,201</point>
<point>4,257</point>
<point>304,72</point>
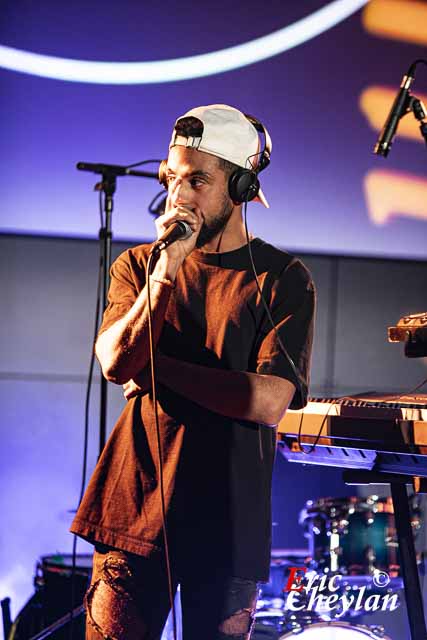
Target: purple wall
<point>308,97</point>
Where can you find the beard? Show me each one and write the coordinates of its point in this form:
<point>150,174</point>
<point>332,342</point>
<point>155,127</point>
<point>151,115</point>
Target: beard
<point>212,228</point>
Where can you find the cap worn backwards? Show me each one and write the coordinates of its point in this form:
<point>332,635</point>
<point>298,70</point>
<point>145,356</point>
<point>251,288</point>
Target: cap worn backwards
<point>227,134</point>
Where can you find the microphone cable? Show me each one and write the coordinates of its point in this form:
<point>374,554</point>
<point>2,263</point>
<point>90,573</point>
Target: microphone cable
<point>267,309</point>
<point>280,343</point>
<point>286,354</point>
<point>86,426</point>
<point>415,63</point>
<point>148,271</point>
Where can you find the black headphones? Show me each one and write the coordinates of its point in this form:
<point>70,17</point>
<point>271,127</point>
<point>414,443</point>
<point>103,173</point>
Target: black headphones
<point>243,184</point>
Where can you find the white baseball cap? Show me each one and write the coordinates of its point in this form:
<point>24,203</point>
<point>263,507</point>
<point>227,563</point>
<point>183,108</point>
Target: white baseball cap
<point>227,134</point>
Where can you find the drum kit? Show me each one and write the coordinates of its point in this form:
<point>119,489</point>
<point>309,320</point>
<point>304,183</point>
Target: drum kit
<point>351,568</point>
<point>52,597</point>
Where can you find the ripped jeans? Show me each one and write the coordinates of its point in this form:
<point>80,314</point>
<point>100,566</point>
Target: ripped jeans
<point>128,600</point>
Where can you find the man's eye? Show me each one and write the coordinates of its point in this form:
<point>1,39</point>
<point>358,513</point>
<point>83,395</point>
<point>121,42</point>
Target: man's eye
<point>196,182</point>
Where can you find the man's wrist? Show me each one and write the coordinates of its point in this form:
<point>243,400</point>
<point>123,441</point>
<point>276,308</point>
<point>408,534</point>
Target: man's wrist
<point>166,267</point>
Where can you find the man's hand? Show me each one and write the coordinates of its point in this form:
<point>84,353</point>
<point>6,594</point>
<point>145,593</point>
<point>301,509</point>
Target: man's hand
<point>180,249</point>
<point>138,386</point>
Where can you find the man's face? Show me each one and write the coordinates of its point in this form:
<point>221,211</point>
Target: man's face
<point>195,180</point>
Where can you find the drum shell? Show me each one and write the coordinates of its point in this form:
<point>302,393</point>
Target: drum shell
<point>52,597</point>
<point>353,536</point>
<point>56,576</point>
<point>320,631</point>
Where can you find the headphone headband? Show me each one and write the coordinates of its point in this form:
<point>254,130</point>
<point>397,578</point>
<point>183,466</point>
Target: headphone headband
<point>265,154</point>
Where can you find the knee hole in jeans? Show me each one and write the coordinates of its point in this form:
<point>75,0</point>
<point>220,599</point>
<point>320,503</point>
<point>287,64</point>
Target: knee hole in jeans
<point>118,575</point>
<point>109,604</point>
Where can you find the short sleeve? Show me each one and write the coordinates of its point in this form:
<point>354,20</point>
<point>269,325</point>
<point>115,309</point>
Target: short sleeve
<point>122,292</point>
<point>292,306</point>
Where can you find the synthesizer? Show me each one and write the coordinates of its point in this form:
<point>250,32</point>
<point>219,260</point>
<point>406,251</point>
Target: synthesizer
<point>370,431</point>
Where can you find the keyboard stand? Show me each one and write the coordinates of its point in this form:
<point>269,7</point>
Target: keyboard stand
<point>408,561</point>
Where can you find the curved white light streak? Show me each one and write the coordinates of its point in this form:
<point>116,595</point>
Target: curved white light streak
<point>181,68</point>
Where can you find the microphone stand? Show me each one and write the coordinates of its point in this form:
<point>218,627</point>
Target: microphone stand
<point>107,185</point>
<point>420,113</point>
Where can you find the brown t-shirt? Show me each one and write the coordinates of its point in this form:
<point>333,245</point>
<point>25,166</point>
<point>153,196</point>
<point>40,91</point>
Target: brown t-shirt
<point>217,470</point>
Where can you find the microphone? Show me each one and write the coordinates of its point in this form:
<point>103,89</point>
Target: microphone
<point>178,230</point>
<point>400,108</point>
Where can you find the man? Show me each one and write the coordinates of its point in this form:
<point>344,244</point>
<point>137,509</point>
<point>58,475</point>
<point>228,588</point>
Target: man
<point>224,381</point>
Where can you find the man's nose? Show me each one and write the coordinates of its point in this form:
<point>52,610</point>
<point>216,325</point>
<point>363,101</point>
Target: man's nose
<point>181,193</point>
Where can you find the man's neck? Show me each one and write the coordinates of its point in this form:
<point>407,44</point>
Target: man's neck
<point>231,238</point>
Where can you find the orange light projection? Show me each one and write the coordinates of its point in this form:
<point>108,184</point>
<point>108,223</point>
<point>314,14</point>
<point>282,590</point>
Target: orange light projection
<point>388,193</point>
<point>391,193</point>
<point>375,104</point>
<point>397,19</point>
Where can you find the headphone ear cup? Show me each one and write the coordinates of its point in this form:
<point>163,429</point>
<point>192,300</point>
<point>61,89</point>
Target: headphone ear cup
<point>243,186</point>
<point>162,173</point>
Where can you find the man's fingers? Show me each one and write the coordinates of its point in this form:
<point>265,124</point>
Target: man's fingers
<point>129,387</point>
<point>130,393</point>
<point>177,214</point>
<point>192,218</point>
<point>132,388</point>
